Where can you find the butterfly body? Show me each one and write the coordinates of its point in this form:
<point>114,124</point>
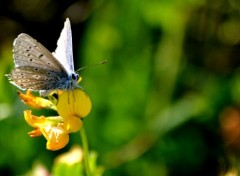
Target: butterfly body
<point>39,70</point>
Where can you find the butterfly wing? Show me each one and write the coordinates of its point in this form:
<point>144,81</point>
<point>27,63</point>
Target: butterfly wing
<point>35,67</point>
<point>63,52</point>
<point>28,52</point>
<point>25,77</point>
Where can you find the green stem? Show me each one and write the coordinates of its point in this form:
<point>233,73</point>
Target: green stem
<point>85,151</point>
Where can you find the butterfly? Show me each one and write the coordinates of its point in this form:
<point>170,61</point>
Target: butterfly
<point>37,69</point>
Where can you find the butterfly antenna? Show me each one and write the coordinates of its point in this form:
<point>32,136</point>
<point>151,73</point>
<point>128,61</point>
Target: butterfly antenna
<point>100,63</point>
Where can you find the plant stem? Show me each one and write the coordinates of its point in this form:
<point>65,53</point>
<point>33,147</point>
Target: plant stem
<point>85,151</point>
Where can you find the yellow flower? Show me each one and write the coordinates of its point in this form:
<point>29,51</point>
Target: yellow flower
<point>57,137</point>
<point>71,105</point>
<point>36,102</point>
<point>73,156</point>
<point>51,128</point>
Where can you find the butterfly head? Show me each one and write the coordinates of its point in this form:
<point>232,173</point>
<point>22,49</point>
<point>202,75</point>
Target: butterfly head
<point>74,79</point>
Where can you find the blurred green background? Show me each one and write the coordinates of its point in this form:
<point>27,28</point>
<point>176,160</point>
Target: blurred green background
<point>165,104</point>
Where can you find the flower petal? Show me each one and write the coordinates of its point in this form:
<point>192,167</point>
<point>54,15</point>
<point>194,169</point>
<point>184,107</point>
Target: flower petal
<point>72,124</point>
<point>74,103</point>
<point>35,102</point>
<point>35,133</point>
<point>32,120</point>
<point>73,156</point>
<point>57,137</point>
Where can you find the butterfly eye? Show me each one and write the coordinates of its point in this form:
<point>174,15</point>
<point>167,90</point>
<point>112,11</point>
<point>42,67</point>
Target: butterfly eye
<point>75,77</point>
